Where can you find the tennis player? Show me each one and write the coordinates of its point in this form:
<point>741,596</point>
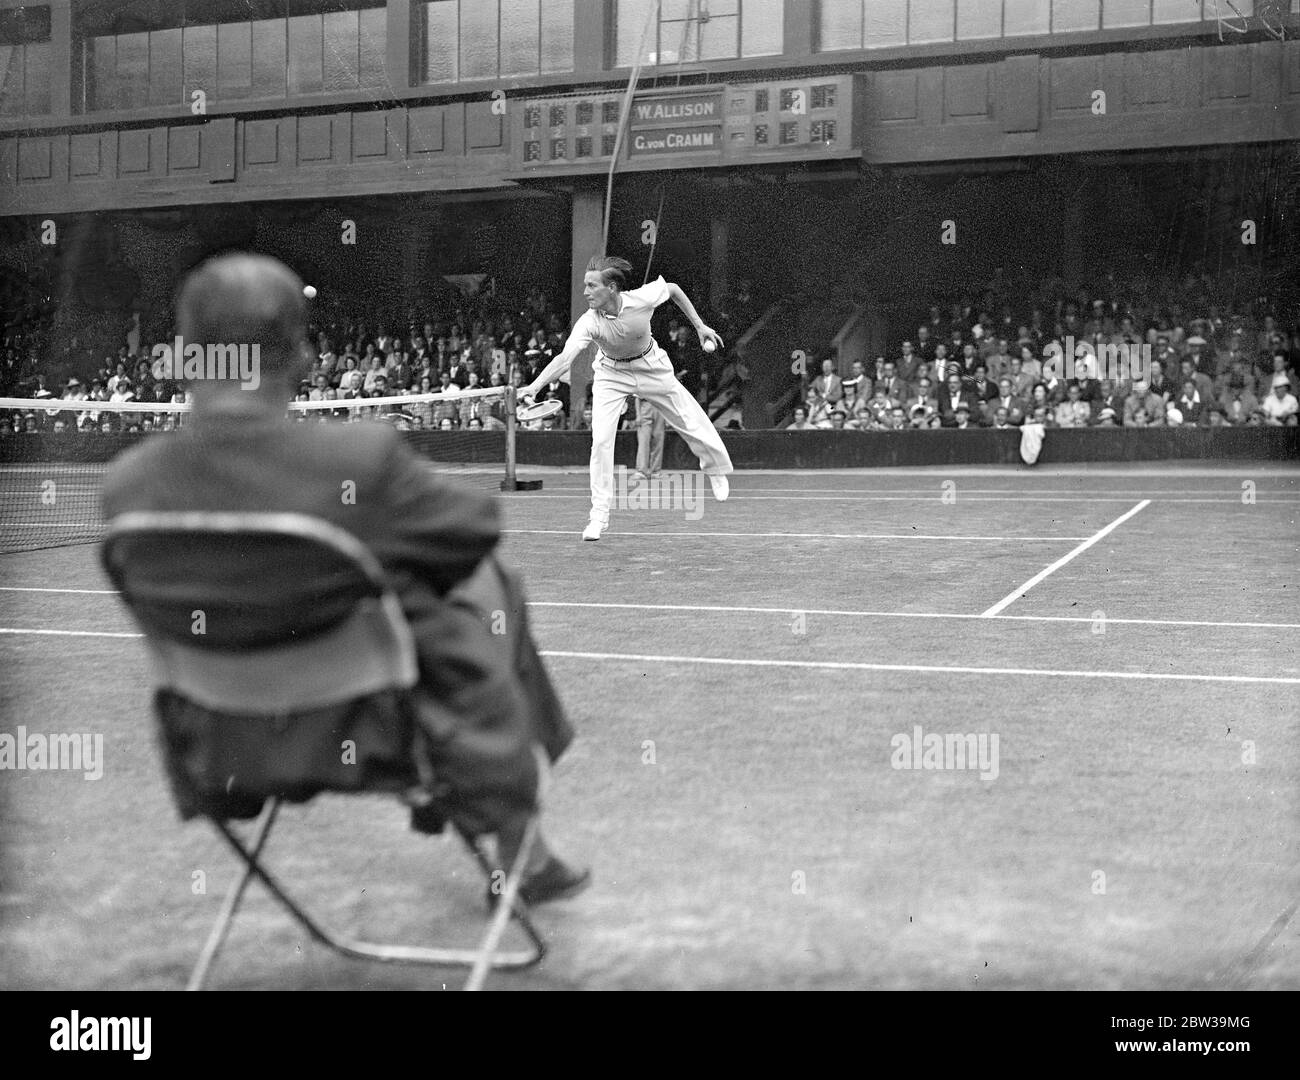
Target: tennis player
<point>630,361</point>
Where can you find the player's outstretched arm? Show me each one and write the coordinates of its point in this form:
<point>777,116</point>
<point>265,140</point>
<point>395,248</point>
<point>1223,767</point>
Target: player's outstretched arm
<point>679,297</point>
<point>557,368</point>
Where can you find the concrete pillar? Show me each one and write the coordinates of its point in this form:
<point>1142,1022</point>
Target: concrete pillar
<point>61,58</point>
<point>399,44</point>
<point>588,213</point>
<point>718,276</point>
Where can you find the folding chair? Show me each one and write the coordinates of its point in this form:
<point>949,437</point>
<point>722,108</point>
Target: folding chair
<point>283,668</point>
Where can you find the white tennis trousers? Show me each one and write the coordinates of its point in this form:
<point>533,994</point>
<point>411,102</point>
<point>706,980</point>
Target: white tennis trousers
<point>650,378</point>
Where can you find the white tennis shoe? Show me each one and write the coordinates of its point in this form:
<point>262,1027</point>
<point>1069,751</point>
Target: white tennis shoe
<point>721,489</point>
<point>595,525</point>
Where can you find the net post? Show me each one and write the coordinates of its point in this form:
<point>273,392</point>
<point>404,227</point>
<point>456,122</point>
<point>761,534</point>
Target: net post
<point>512,481</point>
<point>512,424</point>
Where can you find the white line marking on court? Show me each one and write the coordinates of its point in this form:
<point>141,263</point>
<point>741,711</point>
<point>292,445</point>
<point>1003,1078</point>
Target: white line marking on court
<point>532,496</point>
<point>1016,594</point>
<point>797,536</point>
<point>908,614</point>
<point>832,612</point>
<point>832,665</point>
<point>79,592</point>
<point>67,633</point>
<point>926,668</point>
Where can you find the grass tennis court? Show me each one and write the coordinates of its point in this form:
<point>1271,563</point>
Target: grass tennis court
<point>1144,695</point>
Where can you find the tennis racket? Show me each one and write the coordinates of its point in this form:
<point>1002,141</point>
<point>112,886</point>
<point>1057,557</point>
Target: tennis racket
<point>538,410</point>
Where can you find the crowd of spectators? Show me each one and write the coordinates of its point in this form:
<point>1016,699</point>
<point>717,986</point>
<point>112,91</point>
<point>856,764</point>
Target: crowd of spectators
<point>353,363</point>
<point>973,363</point>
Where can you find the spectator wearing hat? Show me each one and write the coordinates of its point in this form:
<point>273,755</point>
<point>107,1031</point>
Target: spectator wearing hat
<point>838,419</point>
<point>961,416</point>
<point>1196,352</point>
<point>1107,417</point>
<point>1279,365</point>
<point>1281,406</point>
<point>1152,406</point>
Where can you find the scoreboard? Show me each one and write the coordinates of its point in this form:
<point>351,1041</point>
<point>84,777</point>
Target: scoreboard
<point>688,127</point>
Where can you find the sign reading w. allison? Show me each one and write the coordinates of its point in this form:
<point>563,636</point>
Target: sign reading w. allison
<point>694,127</point>
<point>655,110</point>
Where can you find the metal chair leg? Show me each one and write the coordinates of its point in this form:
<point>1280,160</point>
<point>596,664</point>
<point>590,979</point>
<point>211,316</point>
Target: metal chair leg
<point>261,830</point>
<point>400,954</point>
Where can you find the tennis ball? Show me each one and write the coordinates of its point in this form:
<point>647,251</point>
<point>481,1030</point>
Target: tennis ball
<point>709,345</point>
<point>309,291</point>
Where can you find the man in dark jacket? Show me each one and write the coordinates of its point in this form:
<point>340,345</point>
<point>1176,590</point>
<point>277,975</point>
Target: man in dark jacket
<point>485,712</point>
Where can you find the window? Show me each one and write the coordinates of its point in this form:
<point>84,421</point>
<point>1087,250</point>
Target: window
<point>761,101</point>
<point>582,146</point>
<point>558,149</point>
<point>607,144</point>
<point>823,131</point>
<point>877,24</point>
<point>491,39</point>
<point>584,113</point>
<point>760,134</point>
<point>559,115</point>
<point>24,61</point>
<point>137,53</point>
<point>823,97</point>
<point>610,111</point>
<point>789,132</point>
<point>688,31</point>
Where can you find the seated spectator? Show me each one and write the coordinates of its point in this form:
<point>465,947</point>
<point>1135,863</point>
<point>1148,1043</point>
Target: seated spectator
<point>983,390</point>
<point>1110,397</point>
<point>1281,407</point>
<point>961,416</point>
<point>1159,383</point>
<point>1191,404</point>
<point>838,419</point>
<point>1053,387</point>
<point>1107,417</point>
<point>1005,401</point>
<point>1237,403</point>
<point>1152,406</point>
<point>952,395</point>
<point>828,385</point>
<point>1073,411</point>
<point>894,387</point>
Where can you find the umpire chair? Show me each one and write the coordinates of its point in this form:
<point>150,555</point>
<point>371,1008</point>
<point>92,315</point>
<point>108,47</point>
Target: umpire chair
<point>284,668</point>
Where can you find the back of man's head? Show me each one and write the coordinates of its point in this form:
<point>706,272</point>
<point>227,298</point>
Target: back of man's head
<point>246,299</point>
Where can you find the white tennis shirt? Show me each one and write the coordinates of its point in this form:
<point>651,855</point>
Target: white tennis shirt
<point>626,334</point>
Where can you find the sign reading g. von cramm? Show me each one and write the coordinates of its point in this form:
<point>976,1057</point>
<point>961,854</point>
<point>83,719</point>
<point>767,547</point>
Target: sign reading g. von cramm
<point>675,140</point>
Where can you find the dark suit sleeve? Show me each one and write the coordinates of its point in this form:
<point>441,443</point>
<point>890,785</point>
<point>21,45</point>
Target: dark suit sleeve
<point>437,531</point>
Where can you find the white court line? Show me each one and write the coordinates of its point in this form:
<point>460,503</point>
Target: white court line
<point>832,612</point>
<point>926,668</point>
<point>1228,499</point>
<point>78,592</point>
<point>1016,594</point>
<point>908,614</point>
<point>66,633</point>
<point>819,664</point>
<point>795,536</point>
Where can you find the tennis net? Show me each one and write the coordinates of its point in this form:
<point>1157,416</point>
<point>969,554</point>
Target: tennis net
<point>54,454</point>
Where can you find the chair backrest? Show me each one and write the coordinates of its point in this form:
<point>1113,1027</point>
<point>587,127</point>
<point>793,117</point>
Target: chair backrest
<point>257,613</point>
